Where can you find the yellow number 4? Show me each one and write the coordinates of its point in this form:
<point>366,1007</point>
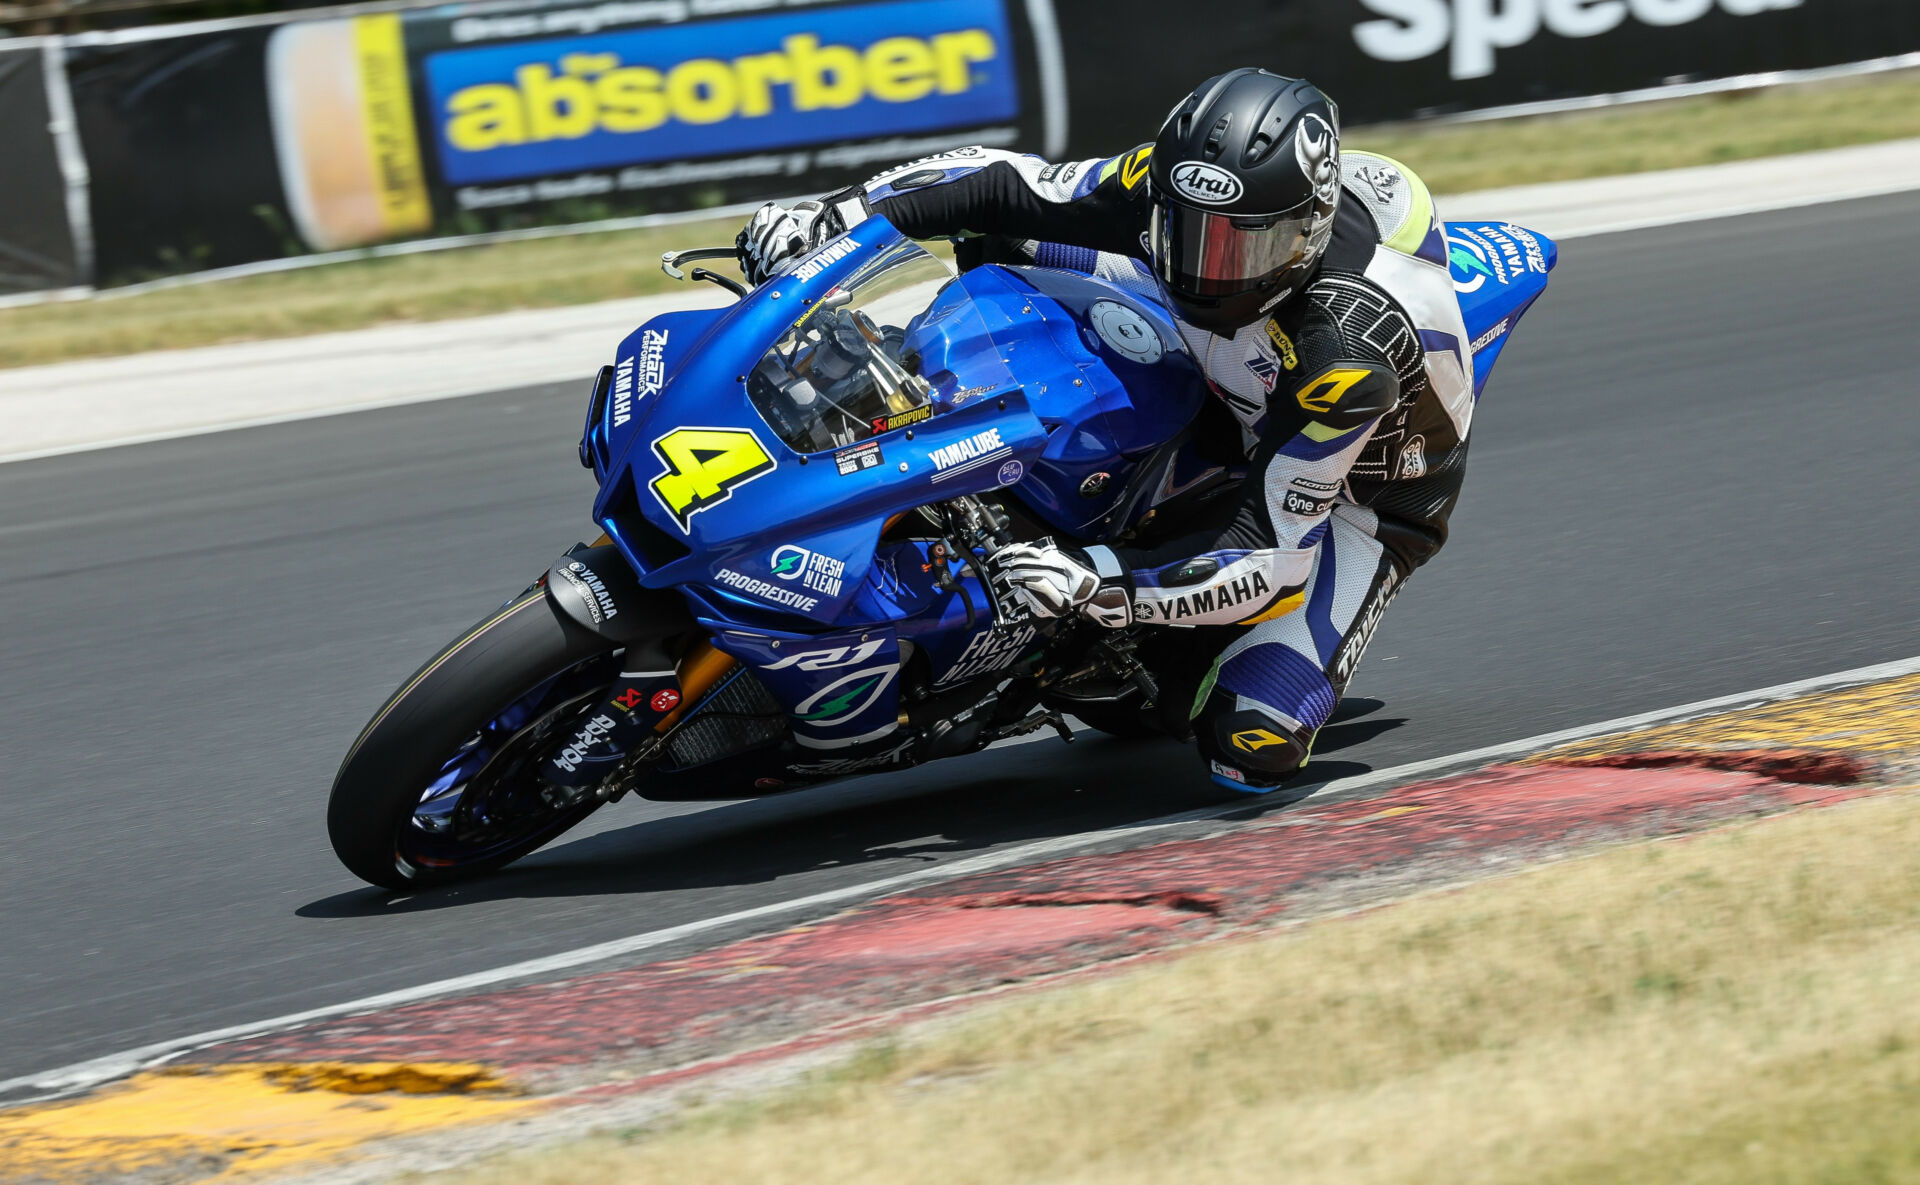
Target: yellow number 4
<point>705,466</point>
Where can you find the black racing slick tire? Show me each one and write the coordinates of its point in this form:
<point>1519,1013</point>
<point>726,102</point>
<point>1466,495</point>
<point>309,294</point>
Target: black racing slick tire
<point>440,785</point>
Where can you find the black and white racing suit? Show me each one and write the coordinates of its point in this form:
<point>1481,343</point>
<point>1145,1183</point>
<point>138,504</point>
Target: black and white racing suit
<point>1353,400</point>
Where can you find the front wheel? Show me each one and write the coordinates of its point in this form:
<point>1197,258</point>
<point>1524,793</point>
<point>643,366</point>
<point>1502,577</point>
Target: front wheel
<point>442,784</point>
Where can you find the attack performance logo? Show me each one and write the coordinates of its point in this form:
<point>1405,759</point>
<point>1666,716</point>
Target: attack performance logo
<point>652,373</point>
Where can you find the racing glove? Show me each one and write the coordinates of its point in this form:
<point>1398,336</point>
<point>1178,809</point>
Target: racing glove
<point>1049,580</point>
<point>774,239</point>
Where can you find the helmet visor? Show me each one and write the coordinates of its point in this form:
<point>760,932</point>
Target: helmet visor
<point>1207,255</point>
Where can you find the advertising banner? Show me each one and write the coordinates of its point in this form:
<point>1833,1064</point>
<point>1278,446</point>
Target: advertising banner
<point>641,106</point>
<point>36,238</point>
<point>229,142</point>
<point>1401,59</point>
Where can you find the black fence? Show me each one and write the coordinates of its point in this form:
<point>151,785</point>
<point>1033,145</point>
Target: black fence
<point>220,144</point>
<point>37,237</point>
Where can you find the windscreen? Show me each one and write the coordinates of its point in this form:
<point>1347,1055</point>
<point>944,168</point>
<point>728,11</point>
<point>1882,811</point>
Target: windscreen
<point>844,371</point>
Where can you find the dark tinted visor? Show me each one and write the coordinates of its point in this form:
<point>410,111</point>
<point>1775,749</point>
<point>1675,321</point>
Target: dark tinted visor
<point>1203,254</point>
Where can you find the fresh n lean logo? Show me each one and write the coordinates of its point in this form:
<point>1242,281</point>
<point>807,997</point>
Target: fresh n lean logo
<point>713,88</point>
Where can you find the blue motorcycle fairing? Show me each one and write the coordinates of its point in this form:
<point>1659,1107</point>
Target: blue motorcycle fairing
<point>611,430</point>
<point>1498,271</point>
<point>1052,388</point>
<point>953,627</point>
<point>839,689</point>
<point>1100,406</point>
<point>977,446</point>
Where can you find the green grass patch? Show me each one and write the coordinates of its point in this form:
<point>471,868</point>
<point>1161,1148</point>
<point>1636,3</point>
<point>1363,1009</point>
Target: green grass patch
<point>578,269</point>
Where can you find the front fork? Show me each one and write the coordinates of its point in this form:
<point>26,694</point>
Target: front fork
<point>632,721</point>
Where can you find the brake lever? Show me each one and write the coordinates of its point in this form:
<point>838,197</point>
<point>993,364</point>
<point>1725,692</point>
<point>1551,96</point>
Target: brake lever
<point>670,261</point>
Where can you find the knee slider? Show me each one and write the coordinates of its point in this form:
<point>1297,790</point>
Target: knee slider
<point>1249,747</point>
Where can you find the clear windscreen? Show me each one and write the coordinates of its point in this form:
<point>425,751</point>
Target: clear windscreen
<point>844,371</point>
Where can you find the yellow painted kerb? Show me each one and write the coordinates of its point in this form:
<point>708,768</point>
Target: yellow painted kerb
<point>220,1123</point>
<point>1874,718</point>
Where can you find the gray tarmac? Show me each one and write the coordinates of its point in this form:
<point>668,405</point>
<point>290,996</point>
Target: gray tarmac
<point>1693,474</point>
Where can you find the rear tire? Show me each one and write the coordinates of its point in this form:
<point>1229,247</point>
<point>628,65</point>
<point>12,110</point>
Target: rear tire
<point>440,784</point>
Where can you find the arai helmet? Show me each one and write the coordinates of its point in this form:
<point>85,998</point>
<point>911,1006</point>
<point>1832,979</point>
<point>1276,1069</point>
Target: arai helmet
<point>1246,179</point>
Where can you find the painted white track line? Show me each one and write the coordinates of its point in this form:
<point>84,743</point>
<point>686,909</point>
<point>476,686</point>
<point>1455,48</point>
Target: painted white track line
<point>81,1075</point>
<point>74,407</point>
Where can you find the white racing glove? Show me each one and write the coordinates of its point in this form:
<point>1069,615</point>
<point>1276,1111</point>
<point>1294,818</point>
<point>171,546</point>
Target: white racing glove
<point>775,238</point>
<point>1049,580</point>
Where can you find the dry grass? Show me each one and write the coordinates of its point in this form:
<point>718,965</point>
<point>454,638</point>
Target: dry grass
<point>1739,125</point>
<point>1738,1008</point>
<point>546,272</point>
<point>469,281</point>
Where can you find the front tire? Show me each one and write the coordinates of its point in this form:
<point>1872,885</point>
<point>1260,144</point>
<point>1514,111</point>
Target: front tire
<point>441,784</point>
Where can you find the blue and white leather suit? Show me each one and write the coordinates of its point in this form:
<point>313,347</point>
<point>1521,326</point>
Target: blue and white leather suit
<point>1353,400</point>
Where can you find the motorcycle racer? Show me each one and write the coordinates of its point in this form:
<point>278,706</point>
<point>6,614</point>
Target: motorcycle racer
<point>1314,292</point>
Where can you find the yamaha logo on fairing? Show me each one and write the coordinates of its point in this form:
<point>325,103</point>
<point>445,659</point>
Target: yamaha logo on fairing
<point>1210,185</point>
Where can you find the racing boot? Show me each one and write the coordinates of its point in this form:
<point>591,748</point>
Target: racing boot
<point>636,703</point>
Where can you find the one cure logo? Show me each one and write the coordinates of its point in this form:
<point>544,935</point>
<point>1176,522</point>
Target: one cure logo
<point>1473,29</point>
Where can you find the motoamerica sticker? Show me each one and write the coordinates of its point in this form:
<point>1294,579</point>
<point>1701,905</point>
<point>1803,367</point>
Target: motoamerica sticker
<point>857,458</point>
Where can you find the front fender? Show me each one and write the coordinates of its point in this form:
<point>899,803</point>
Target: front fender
<point>595,588</point>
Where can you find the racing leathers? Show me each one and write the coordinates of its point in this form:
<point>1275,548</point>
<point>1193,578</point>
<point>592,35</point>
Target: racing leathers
<point>1351,401</point>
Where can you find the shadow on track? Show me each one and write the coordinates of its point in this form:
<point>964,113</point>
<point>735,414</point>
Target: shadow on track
<point>941,811</point>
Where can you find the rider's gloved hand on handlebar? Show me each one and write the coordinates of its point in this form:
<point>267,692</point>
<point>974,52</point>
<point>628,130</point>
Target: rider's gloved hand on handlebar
<point>1049,580</point>
<point>775,238</point>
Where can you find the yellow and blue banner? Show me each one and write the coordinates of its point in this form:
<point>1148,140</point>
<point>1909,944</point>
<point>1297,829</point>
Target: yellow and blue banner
<point>633,96</point>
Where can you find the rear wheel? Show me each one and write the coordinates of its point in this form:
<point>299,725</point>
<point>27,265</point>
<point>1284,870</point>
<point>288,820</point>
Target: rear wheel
<point>442,783</point>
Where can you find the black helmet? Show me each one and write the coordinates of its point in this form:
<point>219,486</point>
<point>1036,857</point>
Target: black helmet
<point>1246,177</point>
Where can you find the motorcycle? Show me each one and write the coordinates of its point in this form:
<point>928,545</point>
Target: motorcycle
<point>799,494</point>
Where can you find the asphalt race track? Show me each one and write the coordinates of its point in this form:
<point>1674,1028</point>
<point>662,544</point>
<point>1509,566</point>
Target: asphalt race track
<point>1693,475</point>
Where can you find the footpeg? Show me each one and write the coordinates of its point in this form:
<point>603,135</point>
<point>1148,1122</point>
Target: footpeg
<point>1034,723</point>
